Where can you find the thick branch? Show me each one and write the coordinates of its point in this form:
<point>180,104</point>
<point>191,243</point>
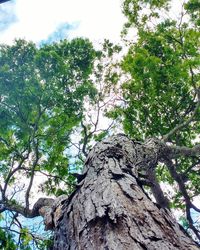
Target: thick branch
<point>176,151</point>
<point>156,189</point>
<point>177,177</point>
<point>28,213</point>
<point>163,149</point>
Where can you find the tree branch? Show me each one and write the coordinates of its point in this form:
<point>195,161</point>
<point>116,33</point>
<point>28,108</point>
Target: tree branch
<point>175,151</point>
<point>185,123</point>
<point>11,173</point>
<point>28,213</point>
<point>156,189</point>
<point>32,176</point>
<point>177,177</point>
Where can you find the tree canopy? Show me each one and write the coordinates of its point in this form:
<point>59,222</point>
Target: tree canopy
<point>55,98</point>
<point>161,93</point>
<point>42,93</point>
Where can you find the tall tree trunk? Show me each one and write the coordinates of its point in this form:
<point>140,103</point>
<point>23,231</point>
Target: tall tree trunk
<point>110,210</point>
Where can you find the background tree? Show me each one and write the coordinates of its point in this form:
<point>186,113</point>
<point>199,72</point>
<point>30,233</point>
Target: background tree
<point>52,103</point>
<point>42,95</point>
<point>161,93</point>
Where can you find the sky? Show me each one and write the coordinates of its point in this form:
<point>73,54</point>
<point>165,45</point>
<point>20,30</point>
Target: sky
<point>51,20</point>
<point>48,20</point>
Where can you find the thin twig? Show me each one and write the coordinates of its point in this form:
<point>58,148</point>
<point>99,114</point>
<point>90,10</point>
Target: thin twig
<point>185,123</point>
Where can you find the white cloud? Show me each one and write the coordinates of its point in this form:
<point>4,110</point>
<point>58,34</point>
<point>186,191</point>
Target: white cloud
<point>37,19</point>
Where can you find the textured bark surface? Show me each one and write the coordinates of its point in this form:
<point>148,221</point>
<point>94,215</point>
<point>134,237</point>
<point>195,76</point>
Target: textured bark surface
<point>109,209</point>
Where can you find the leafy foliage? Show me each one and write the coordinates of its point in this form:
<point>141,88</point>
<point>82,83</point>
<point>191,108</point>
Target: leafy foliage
<point>50,93</point>
<point>161,93</point>
<point>42,93</point>
<point>162,78</point>
<point>6,241</point>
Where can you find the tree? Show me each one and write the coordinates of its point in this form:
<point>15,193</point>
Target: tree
<point>42,93</point>
<point>158,97</point>
<point>160,107</point>
<point>110,210</point>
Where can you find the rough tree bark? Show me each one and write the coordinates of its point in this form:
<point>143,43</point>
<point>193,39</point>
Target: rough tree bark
<point>110,210</point>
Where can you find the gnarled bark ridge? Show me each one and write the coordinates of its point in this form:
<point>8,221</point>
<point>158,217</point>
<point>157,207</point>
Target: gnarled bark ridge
<point>110,210</point>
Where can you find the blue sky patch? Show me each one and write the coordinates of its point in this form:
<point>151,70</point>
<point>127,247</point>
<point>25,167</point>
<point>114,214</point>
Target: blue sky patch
<point>61,32</point>
<point>7,15</point>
